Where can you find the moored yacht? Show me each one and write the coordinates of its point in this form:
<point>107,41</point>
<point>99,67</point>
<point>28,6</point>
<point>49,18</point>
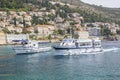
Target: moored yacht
<point>29,47</point>
<point>79,46</point>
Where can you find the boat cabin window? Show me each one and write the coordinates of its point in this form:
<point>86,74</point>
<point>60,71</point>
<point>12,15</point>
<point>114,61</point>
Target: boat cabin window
<point>24,43</point>
<point>68,41</point>
<point>85,44</point>
<point>73,41</point>
<point>97,43</point>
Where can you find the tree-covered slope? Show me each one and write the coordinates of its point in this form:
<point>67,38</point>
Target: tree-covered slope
<point>91,13</point>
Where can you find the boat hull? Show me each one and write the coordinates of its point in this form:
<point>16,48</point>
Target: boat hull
<point>76,51</point>
<point>22,50</point>
<point>79,46</point>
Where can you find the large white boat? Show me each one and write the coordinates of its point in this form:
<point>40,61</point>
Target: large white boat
<point>29,47</point>
<point>79,46</point>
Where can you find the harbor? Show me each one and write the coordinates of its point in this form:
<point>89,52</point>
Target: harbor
<point>48,66</point>
<point>59,40</point>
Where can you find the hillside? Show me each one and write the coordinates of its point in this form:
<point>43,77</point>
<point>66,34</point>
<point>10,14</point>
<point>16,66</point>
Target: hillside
<point>91,11</point>
<point>111,13</point>
<point>63,17</point>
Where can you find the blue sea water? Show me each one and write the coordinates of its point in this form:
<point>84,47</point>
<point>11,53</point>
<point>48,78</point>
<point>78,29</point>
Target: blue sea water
<point>48,66</point>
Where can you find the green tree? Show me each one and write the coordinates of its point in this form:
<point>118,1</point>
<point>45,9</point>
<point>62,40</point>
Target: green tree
<point>15,20</point>
<point>70,31</point>
<point>118,32</point>
<point>49,37</point>
<point>76,36</point>
<point>105,32</point>
<point>5,30</point>
<point>61,32</point>
<point>35,20</point>
<point>55,33</point>
<point>66,8</point>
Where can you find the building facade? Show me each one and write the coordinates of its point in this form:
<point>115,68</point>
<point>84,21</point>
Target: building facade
<point>95,31</point>
<point>11,37</point>
<point>44,30</point>
<point>2,38</point>
<point>82,34</point>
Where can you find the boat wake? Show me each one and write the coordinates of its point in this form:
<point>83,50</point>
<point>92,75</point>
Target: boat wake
<point>75,52</point>
<point>115,49</point>
<point>45,49</point>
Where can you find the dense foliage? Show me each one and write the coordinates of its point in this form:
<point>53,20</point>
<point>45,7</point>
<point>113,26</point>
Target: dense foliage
<point>63,11</point>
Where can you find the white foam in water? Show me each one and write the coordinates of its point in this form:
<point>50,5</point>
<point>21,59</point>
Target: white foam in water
<point>78,52</point>
<point>111,49</point>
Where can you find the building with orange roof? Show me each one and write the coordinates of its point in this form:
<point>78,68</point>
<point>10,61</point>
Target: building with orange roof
<point>31,29</point>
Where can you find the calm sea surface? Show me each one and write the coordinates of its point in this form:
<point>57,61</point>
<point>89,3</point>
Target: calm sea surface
<point>48,66</point>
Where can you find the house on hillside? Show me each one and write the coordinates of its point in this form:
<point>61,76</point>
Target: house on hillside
<point>30,29</point>
<point>11,37</point>
<point>18,29</point>
<point>82,34</point>
<point>11,28</point>
<point>58,19</point>
<point>44,30</point>
<point>94,31</point>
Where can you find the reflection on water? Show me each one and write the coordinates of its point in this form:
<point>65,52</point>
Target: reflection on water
<point>6,56</point>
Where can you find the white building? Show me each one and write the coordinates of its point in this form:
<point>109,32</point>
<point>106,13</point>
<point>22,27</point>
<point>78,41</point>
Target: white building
<point>44,30</point>
<point>18,29</point>
<point>2,38</point>
<point>82,34</point>
<point>58,19</point>
<point>11,37</point>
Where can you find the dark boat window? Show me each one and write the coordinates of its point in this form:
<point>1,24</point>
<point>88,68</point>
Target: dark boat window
<point>85,44</point>
<point>97,44</point>
<point>73,41</point>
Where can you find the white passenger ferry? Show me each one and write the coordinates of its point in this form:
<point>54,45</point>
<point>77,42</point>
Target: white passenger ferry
<point>79,46</point>
<point>29,47</point>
